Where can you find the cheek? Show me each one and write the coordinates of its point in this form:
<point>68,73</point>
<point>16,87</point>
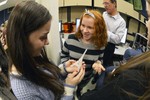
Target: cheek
<point>92,32</point>
<point>36,45</point>
<point>36,48</point>
<point>39,44</point>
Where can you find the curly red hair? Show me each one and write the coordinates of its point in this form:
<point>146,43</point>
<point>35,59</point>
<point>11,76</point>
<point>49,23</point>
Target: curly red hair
<point>100,36</point>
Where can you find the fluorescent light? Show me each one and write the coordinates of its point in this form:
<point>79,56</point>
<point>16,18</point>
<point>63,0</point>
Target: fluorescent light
<point>3,2</point>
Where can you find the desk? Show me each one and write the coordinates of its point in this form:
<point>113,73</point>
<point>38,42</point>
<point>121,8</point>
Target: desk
<point>118,54</point>
<point>120,50</point>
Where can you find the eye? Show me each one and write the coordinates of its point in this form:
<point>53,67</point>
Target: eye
<point>82,25</point>
<point>43,37</point>
<point>89,27</point>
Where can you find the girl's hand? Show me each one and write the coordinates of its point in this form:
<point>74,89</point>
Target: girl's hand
<point>70,68</point>
<point>97,66</point>
<point>75,77</point>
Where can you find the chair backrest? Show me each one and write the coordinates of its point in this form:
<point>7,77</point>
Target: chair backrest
<point>130,39</point>
<point>140,42</point>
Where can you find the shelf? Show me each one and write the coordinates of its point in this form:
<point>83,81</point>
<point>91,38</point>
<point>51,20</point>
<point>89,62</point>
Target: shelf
<point>63,3</point>
<point>127,9</point>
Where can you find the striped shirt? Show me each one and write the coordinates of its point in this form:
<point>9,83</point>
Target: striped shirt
<point>74,48</point>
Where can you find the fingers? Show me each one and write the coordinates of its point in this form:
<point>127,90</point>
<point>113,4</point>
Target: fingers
<point>98,67</point>
<point>102,67</point>
<point>79,76</point>
<point>72,69</point>
<point>72,75</point>
<point>69,63</point>
<point>75,77</point>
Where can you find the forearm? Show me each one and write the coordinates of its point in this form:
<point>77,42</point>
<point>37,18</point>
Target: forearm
<point>116,36</point>
<point>69,90</point>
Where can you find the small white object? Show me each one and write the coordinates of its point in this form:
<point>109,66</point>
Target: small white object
<point>79,62</point>
<point>123,40</point>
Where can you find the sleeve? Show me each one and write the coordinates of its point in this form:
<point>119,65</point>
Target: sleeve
<point>100,58</point>
<point>116,37</point>
<point>68,94</point>
<point>23,92</point>
<point>63,70</point>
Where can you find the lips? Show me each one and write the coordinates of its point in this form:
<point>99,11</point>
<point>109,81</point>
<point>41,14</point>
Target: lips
<point>85,35</point>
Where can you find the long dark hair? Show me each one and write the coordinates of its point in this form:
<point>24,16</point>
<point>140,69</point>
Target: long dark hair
<point>25,18</point>
<point>141,62</point>
<point>4,82</point>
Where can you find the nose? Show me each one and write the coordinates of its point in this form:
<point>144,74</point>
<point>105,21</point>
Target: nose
<point>46,42</point>
<point>85,29</point>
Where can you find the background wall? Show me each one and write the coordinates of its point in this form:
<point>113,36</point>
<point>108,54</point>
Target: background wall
<point>54,47</point>
<point>135,21</point>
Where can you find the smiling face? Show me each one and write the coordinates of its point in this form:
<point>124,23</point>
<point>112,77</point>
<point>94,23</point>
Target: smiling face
<point>38,39</point>
<point>148,22</point>
<point>87,28</point>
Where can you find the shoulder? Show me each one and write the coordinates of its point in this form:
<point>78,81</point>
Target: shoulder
<point>72,36</point>
<point>121,18</point>
<point>72,39</point>
<point>24,89</point>
<point>105,13</point>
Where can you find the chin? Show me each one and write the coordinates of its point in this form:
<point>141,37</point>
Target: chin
<point>108,12</point>
<point>86,38</point>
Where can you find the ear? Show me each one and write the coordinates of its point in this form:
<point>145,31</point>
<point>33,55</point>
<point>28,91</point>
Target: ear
<point>115,3</point>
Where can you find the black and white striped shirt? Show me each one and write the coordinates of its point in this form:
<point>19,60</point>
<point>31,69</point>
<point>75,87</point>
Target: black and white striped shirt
<point>74,48</point>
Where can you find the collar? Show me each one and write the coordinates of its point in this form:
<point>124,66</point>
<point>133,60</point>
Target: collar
<point>115,16</point>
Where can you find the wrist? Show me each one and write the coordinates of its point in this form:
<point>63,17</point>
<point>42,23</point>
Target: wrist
<point>69,89</point>
<point>64,66</point>
<point>62,69</point>
<point>71,86</point>
<point>99,62</point>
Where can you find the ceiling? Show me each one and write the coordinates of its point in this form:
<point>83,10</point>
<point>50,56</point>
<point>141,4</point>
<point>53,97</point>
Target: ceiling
<point>10,3</point>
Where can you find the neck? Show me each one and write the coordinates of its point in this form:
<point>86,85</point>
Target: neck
<point>86,41</point>
<point>114,13</point>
